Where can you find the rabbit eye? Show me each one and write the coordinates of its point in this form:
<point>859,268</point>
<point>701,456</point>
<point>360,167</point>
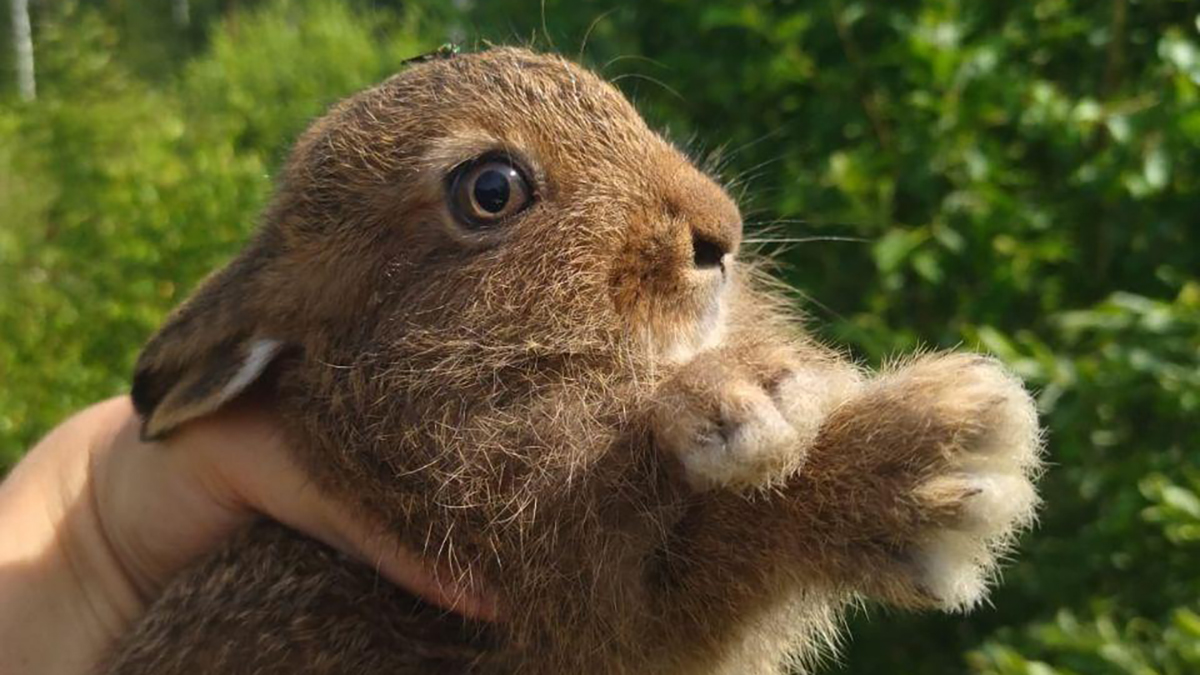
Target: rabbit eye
<point>486,191</point>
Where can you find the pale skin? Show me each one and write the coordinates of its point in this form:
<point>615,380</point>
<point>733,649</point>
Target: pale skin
<point>96,522</point>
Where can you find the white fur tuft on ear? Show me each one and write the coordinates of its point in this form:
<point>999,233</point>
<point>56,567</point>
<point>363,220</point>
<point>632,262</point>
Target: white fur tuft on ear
<point>258,356</point>
<point>208,385</point>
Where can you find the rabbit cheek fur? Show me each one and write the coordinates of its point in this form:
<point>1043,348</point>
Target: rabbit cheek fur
<point>589,409</point>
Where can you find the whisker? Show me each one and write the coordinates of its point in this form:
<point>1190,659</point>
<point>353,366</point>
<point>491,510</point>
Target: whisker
<point>591,27</point>
<point>721,156</point>
<point>824,307</point>
<point>815,223</point>
<point>545,30</point>
<point>648,78</point>
<point>745,174</point>
<point>804,240</point>
<point>785,289</point>
<point>634,57</point>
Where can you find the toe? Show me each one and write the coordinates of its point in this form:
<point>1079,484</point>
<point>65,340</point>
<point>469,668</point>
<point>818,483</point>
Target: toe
<point>954,568</point>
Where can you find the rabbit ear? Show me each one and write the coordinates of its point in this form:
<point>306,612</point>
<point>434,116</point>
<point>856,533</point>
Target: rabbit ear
<point>209,351</point>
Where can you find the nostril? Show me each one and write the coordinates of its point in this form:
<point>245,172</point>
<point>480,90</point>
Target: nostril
<point>706,253</point>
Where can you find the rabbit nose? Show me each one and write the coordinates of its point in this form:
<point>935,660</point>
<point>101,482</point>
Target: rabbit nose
<point>698,207</point>
<point>711,247</point>
<point>707,253</point>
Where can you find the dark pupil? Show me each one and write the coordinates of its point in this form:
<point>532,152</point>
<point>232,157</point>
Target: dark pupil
<point>491,191</point>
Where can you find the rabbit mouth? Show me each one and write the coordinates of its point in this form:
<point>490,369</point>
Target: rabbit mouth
<point>705,329</point>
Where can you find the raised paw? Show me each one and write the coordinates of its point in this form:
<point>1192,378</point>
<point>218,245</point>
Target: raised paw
<point>740,420</point>
<point>979,429</point>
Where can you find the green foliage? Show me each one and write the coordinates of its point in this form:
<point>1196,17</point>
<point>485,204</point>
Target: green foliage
<point>120,194</point>
<point>1022,178</point>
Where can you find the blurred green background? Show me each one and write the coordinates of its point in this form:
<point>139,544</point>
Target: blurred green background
<point>1019,177</point>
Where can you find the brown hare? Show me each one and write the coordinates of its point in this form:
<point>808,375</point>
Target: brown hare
<point>505,317</point>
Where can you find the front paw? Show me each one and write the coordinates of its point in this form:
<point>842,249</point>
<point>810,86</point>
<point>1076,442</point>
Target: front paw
<point>745,419</point>
<point>976,491</point>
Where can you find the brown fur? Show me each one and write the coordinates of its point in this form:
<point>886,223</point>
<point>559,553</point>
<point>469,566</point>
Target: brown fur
<point>650,465</point>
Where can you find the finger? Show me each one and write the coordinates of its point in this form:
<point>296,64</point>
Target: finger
<point>159,509</point>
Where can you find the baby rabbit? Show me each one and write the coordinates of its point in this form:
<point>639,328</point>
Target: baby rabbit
<point>504,316</point>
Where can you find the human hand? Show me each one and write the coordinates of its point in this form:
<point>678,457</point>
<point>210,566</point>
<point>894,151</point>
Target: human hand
<point>97,521</point>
